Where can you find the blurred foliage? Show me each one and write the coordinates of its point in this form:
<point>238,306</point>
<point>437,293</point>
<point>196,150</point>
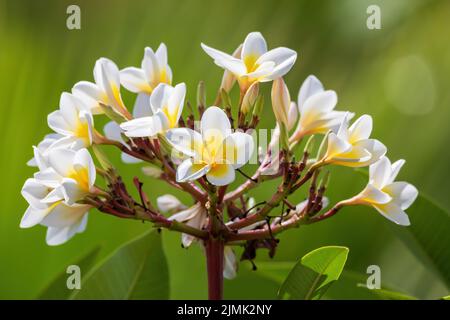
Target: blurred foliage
<point>399,75</point>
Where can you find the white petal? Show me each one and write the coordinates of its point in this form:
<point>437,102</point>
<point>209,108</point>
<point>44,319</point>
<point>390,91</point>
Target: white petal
<point>372,194</point>
<point>336,145</point>
<point>230,263</point>
<point>221,174</point>
<point>32,217</point>
<point>83,161</point>
<point>187,171</point>
<point>396,166</point>
<point>56,236</point>
<point>61,160</point>
<point>147,126</point>
<point>254,46</point>
<point>90,94</point>
<point>216,54</point>
<point>113,132</point>
<point>109,75</point>
<point>57,123</point>
<point>380,172</point>
<point>187,214</point>
<point>72,191</point>
<point>34,191</point>
<point>161,55</point>
<point>235,66</point>
<point>160,97</point>
<point>215,122</point>
<point>394,213</point>
<point>374,147</point>
<point>142,106</point>
<point>176,103</point>
<point>134,80</point>
<point>168,203</point>
<point>404,193</point>
<point>321,102</point>
<point>237,149</point>
<point>360,129</point>
<point>48,177</point>
<point>281,69</point>
<point>53,196</point>
<point>186,141</point>
<point>310,87</point>
<point>63,215</point>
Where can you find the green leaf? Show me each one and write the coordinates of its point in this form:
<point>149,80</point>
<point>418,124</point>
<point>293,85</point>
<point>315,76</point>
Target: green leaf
<point>388,294</point>
<point>57,288</point>
<point>314,273</point>
<point>428,236</point>
<point>136,270</point>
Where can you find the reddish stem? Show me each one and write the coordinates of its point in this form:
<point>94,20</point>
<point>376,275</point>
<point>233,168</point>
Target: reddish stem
<point>214,265</point>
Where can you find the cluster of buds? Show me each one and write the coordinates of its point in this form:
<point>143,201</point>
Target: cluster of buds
<point>203,152</point>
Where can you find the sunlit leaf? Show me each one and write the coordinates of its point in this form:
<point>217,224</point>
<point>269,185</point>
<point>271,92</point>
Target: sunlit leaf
<point>388,294</point>
<point>314,273</point>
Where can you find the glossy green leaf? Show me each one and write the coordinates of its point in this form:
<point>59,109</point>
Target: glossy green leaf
<point>57,288</point>
<point>428,236</point>
<point>314,273</point>
<point>137,270</point>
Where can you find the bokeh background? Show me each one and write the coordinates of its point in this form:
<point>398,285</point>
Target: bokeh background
<point>399,74</point>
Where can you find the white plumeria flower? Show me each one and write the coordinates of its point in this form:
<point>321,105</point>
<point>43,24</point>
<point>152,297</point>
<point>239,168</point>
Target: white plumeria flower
<point>167,104</point>
<point>214,152</point>
<point>154,70</point>
<point>169,203</point>
<point>196,217</point>
<point>42,149</point>
<point>255,64</point>
<point>63,220</point>
<point>106,88</point>
<point>316,108</point>
<point>352,147</point>
<point>77,170</point>
<point>387,196</point>
<point>230,263</point>
<point>73,121</point>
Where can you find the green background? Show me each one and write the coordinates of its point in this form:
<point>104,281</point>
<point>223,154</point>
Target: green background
<point>399,75</point>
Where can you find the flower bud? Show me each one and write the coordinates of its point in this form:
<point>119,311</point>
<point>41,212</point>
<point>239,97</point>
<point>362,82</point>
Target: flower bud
<point>250,97</point>
<point>292,115</point>
<point>281,101</point>
<point>169,203</point>
<point>152,172</point>
<point>201,95</point>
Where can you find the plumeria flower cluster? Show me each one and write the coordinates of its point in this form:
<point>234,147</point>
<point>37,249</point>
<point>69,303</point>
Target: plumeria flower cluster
<point>202,151</point>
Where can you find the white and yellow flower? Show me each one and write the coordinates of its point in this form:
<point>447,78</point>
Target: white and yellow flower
<point>387,196</point>
<point>196,217</point>
<point>255,64</point>
<point>73,121</point>
<point>316,108</point>
<point>214,152</point>
<point>106,88</point>
<point>352,147</point>
<point>167,104</point>
<point>62,220</point>
<point>113,131</point>
<point>77,170</point>
<point>154,70</point>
